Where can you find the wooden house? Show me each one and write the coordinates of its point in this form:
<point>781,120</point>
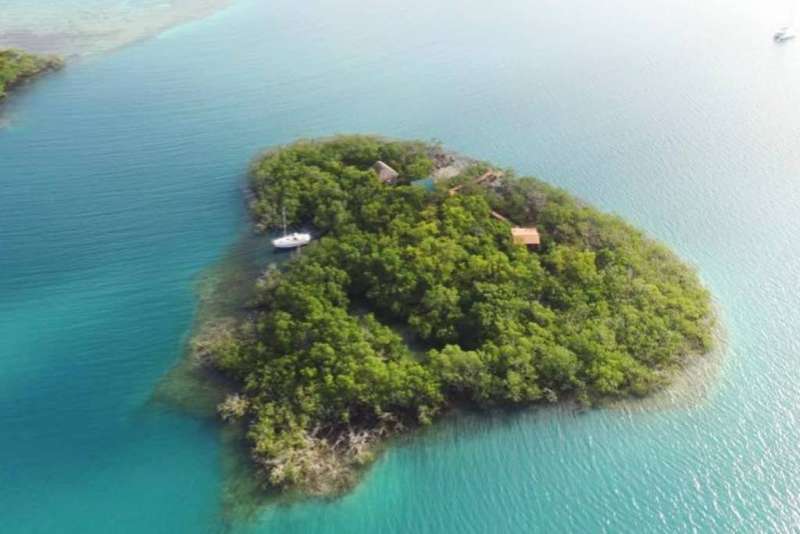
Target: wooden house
<point>528,237</point>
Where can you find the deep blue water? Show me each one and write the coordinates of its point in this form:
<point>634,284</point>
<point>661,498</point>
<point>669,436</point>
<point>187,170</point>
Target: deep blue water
<point>120,183</point>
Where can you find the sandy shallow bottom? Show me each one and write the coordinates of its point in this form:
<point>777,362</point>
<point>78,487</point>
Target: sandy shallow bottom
<point>75,28</point>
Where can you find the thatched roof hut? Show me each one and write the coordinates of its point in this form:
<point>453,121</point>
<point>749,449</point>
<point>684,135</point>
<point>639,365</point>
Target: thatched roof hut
<point>385,173</point>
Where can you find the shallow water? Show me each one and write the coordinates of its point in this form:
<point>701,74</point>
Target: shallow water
<point>120,184</point>
<point>74,28</point>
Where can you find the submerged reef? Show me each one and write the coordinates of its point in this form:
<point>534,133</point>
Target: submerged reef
<point>76,29</point>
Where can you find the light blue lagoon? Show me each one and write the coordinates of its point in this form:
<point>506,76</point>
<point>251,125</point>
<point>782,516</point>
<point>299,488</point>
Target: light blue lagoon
<point>120,185</point>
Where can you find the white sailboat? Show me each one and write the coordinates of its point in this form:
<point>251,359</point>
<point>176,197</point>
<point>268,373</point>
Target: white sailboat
<point>783,35</point>
<point>786,33</point>
<point>293,240</point>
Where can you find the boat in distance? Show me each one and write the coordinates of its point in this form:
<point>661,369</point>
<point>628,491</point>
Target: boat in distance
<point>783,35</point>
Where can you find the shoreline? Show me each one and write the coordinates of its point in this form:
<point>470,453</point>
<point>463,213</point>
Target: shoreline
<point>340,455</point>
<point>197,389</point>
<point>194,388</point>
<point>690,385</point>
<point>23,68</point>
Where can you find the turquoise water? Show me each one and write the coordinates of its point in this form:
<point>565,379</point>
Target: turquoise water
<point>120,183</point>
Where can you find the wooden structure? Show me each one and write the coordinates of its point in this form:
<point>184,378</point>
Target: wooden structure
<point>500,217</point>
<point>489,178</point>
<point>385,173</point>
<point>528,237</point>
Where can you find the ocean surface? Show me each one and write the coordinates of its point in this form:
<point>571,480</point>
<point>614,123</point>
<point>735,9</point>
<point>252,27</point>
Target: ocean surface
<point>120,187</point>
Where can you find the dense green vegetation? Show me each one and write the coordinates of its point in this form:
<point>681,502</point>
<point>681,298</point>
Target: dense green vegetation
<point>17,66</point>
<point>324,362</point>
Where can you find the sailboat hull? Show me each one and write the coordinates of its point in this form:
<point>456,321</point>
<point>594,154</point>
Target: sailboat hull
<point>291,241</point>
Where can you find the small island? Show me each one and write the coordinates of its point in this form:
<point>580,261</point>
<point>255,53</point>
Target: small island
<point>18,67</point>
<point>476,288</point>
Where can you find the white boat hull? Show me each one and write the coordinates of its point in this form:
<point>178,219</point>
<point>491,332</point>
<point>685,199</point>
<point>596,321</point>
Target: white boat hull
<point>783,35</point>
<point>289,241</point>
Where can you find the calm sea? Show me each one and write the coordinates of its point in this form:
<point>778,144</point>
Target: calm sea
<point>120,183</point>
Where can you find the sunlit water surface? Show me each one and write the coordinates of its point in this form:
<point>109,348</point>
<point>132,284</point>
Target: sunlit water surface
<point>120,183</point>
